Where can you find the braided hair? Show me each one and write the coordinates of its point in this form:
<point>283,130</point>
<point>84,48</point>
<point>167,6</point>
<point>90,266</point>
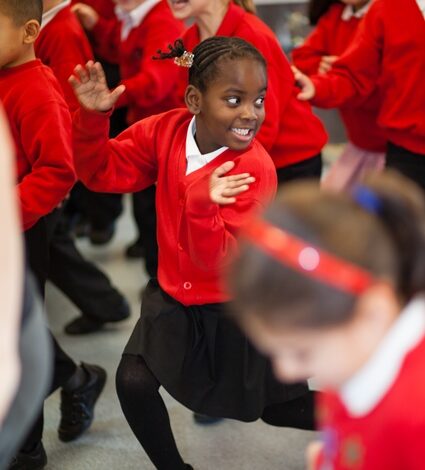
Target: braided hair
<point>209,53</point>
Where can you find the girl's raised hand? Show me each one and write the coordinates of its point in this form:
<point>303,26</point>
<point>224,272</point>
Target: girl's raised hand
<point>91,89</point>
<point>87,15</point>
<point>224,189</point>
<point>308,90</point>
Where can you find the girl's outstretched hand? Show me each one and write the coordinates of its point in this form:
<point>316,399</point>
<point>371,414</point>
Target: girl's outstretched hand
<point>308,89</point>
<point>91,89</point>
<point>224,189</point>
<point>87,15</point>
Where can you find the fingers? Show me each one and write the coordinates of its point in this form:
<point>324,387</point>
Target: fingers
<point>119,90</point>
<point>223,169</point>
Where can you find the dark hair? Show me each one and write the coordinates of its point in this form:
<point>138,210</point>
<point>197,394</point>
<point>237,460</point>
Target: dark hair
<point>21,11</point>
<point>389,245</point>
<point>317,8</point>
<point>209,54</point>
<point>247,5</point>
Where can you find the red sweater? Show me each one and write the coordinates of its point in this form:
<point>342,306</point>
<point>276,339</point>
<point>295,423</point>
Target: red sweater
<point>332,36</point>
<point>195,236</point>
<point>105,8</point>
<point>150,84</point>
<point>390,437</point>
<point>41,128</point>
<point>62,44</point>
<point>389,51</point>
<point>290,133</point>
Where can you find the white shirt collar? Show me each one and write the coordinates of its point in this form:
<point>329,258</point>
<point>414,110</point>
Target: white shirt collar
<point>349,13</point>
<point>195,160</point>
<point>421,5</point>
<point>49,15</point>
<point>132,19</point>
<point>370,384</point>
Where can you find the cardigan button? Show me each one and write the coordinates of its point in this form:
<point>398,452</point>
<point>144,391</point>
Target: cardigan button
<point>180,247</point>
<point>187,285</point>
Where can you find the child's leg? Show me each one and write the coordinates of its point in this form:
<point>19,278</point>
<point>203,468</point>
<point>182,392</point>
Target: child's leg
<point>145,411</point>
<point>297,413</point>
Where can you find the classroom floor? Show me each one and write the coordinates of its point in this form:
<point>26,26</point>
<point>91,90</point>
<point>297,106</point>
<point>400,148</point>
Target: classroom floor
<point>110,444</point>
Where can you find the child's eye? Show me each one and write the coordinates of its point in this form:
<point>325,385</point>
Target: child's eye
<point>259,101</point>
<point>233,100</point>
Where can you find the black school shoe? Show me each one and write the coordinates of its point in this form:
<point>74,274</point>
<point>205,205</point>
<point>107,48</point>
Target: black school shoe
<point>34,460</point>
<point>77,407</point>
<point>84,324</point>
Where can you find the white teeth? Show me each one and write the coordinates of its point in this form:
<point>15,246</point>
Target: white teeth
<point>241,131</point>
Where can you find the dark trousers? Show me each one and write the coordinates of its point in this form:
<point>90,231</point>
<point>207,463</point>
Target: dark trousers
<point>144,211</point>
<point>81,281</point>
<point>310,168</point>
<point>409,164</point>
<point>37,241</point>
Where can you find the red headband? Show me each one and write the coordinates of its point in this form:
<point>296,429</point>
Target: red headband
<point>308,259</point>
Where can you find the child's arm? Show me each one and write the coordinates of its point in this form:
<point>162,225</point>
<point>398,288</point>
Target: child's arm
<point>124,164</point>
<point>217,207</point>
<point>355,73</point>
<point>45,137</point>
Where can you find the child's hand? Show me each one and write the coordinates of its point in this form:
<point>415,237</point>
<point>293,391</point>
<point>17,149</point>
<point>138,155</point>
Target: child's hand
<point>308,89</point>
<point>314,449</point>
<point>87,15</point>
<point>223,189</point>
<point>326,63</point>
<point>91,89</point>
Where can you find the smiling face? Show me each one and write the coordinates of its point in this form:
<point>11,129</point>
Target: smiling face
<point>231,110</point>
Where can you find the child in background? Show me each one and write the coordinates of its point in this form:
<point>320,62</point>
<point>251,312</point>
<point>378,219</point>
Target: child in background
<point>291,134</point>
<point>388,55</point>
<point>332,286</point>
<point>211,175</point>
<point>143,27</point>
<point>337,24</point>
<point>41,128</point>
<point>62,44</point>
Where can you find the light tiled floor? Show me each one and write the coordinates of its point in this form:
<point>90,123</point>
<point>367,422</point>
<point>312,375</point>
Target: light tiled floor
<point>110,444</point>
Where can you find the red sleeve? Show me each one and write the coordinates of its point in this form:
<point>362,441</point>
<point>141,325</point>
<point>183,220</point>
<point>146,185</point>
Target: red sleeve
<point>356,72</point>
<point>106,39</point>
<point>307,57</point>
<point>45,136</point>
<point>212,229</point>
<point>156,78</point>
<point>122,165</point>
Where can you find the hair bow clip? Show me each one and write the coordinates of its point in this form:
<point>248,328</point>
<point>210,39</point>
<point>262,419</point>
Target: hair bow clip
<point>185,60</point>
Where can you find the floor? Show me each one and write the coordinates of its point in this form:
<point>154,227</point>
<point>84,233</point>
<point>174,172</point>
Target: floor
<point>110,444</point>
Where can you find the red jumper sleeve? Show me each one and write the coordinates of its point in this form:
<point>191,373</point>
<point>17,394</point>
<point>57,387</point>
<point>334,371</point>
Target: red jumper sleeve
<point>45,135</point>
<point>122,165</point>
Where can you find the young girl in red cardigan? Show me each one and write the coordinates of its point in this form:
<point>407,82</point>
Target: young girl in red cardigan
<point>332,286</point>
<point>292,135</point>
<point>211,175</point>
<point>337,23</point>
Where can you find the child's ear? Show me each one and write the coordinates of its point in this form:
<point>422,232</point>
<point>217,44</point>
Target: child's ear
<point>193,99</point>
<point>31,31</point>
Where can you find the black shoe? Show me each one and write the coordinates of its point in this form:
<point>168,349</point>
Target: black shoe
<point>204,419</point>
<point>86,324</point>
<point>135,250</point>
<point>77,407</point>
<point>34,460</point>
<point>101,236</point>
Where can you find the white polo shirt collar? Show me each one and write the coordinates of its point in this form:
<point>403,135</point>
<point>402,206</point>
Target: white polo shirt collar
<point>132,19</point>
<point>349,13</point>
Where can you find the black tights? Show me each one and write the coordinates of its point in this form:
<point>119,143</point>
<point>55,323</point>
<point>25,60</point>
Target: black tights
<point>147,415</point>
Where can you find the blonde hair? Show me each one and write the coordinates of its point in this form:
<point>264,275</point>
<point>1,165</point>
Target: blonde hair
<point>247,5</point>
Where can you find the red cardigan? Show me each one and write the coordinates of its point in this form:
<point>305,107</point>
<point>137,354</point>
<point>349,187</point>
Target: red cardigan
<point>62,44</point>
<point>390,437</point>
<point>41,128</point>
<point>389,52</point>
<point>332,36</point>
<point>150,84</point>
<point>290,133</point>
<point>195,236</point>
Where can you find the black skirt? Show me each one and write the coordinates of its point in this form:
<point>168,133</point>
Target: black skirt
<point>203,360</point>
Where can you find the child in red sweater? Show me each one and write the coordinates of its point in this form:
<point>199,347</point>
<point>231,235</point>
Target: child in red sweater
<point>337,24</point>
<point>211,175</point>
<point>332,286</point>
<point>292,135</point>
<point>41,128</point>
<point>388,54</point>
<point>143,26</point>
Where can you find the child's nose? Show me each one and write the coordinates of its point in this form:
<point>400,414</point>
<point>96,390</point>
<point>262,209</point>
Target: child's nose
<point>249,112</point>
